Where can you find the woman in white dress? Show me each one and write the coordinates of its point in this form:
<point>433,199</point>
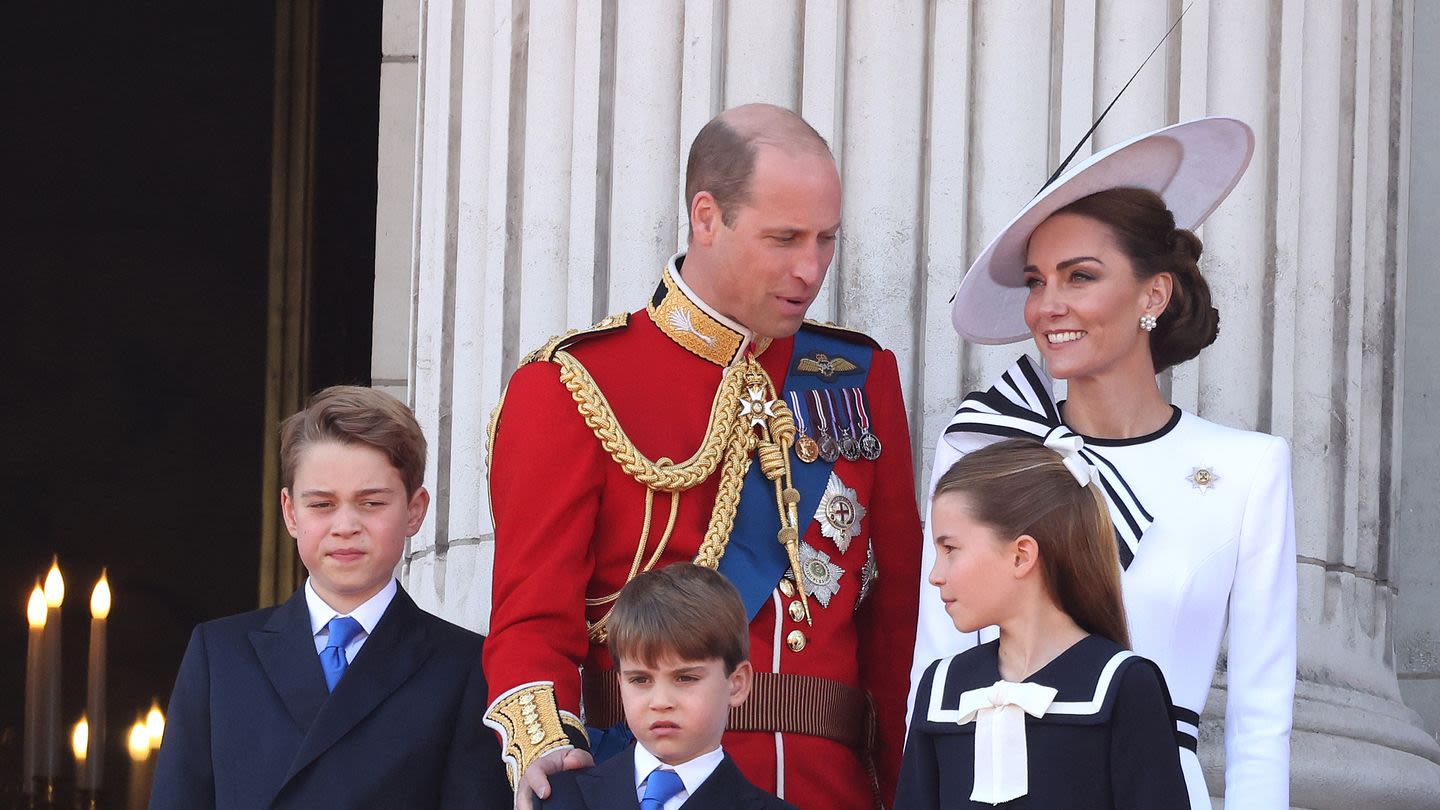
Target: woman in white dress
<point>1101,270</point>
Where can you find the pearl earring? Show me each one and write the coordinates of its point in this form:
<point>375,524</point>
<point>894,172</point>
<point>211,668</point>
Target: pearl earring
<point>1147,322</point>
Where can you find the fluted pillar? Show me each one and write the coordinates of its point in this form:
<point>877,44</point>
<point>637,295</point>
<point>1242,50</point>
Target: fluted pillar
<point>549,140</point>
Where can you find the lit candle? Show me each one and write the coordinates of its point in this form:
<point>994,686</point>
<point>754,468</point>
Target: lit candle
<point>34,676</point>
<point>155,724</point>
<point>80,744</point>
<point>139,745</point>
<point>47,764</point>
<point>94,773</point>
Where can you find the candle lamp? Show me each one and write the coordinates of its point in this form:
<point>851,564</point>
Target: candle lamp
<point>47,761</point>
<point>80,737</point>
<point>80,742</point>
<point>155,725</point>
<point>94,774</point>
<point>139,747</point>
<point>35,614</point>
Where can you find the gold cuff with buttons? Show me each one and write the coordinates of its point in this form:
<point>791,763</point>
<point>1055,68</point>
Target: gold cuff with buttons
<point>531,725</point>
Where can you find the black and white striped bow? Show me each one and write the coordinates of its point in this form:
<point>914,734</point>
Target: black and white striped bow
<point>1020,404</point>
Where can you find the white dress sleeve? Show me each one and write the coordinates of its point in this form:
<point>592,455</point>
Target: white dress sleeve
<point>1261,653</point>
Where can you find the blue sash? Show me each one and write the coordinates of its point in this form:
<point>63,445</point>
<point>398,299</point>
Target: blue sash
<point>754,560</point>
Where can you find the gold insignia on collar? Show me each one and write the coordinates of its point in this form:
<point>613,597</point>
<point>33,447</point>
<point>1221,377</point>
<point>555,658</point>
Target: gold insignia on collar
<point>825,366</point>
<point>1202,478</point>
<point>692,327</point>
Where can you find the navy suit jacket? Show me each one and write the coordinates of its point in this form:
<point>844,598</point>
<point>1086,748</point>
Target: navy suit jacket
<point>611,786</point>
<point>251,724</point>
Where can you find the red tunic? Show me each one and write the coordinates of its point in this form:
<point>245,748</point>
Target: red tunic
<point>568,519</point>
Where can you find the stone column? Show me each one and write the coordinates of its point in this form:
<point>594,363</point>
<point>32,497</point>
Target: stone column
<point>390,355</point>
<point>549,140</point>
<point>1418,605</point>
<point>1327,316</point>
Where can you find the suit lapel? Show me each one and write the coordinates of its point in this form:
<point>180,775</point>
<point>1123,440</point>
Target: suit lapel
<point>725,789</point>
<point>397,648</point>
<point>286,649</point>
<point>611,784</point>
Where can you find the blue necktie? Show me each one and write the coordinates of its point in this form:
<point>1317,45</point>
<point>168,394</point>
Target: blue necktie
<point>659,788</point>
<point>343,630</point>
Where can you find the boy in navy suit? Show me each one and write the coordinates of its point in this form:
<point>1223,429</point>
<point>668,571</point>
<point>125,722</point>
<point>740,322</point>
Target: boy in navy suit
<point>348,695</point>
<point>680,640</point>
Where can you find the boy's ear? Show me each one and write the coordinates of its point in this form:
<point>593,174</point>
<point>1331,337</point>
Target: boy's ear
<point>418,507</point>
<point>1026,551</point>
<point>740,681</point>
<point>287,509</point>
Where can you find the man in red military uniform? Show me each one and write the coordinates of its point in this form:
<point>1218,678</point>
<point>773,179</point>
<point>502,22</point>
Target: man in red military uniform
<point>717,425</point>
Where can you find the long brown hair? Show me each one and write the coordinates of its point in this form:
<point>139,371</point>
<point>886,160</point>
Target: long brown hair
<point>1019,486</point>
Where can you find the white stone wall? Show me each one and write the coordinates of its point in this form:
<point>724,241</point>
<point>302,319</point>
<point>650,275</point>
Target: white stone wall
<point>531,161</point>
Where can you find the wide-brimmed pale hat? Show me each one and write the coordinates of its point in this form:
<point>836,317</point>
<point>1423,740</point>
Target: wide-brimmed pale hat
<point>1193,166</point>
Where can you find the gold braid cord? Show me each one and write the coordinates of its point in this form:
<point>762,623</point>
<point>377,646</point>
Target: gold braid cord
<point>746,416</point>
<point>662,475</point>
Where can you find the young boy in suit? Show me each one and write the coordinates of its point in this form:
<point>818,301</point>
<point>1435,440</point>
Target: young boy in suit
<point>348,695</point>
<point>680,641</point>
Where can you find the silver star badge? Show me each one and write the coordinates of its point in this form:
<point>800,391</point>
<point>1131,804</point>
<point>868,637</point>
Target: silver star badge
<point>1202,478</point>
<point>839,513</point>
<point>822,577</point>
<point>757,407</point>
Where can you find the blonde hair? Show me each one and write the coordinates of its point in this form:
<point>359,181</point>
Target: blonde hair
<point>1019,486</point>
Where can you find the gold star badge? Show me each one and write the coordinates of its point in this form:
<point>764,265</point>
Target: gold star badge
<point>1202,478</point>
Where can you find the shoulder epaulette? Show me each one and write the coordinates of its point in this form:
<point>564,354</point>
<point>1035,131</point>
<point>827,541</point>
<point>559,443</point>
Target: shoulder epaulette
<point>605,325</point>
<point>844,333</point>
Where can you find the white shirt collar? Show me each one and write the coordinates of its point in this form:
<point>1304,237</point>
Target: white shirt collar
<point>692,774</point>
<point>747,336</point>
<point>367,614</point>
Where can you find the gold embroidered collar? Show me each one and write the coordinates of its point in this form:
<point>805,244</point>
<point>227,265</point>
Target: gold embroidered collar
<point>693,324</point>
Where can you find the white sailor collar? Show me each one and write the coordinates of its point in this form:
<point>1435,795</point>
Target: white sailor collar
<point>694,324</point>
<point>1085,678</point>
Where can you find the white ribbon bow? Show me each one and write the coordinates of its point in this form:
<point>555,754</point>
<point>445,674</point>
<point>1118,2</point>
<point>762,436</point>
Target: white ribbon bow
<point>1068,445</point>
<point>1001,769</point>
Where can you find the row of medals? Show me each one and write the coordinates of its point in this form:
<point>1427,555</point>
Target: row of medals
<point>852,443</point>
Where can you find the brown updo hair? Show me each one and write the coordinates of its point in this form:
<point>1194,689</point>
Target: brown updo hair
<point>1145,230</point>
<point>1019,486</point>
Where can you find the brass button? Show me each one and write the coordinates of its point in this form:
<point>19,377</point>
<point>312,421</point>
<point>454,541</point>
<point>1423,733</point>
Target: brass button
<point>795,641</point>
<point>797,611</point>
<point>787,587</point>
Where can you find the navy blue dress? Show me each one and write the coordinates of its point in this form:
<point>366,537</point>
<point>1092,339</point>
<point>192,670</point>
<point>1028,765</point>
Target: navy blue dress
<point>1106,742</point>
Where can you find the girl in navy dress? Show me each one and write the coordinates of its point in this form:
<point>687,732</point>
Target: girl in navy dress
<point>1057,712</point>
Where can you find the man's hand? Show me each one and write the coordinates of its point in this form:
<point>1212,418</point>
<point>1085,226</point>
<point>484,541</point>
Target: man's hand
<point>535,782</point>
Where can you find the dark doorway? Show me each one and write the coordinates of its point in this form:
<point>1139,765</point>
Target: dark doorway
<point>134,251</point>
